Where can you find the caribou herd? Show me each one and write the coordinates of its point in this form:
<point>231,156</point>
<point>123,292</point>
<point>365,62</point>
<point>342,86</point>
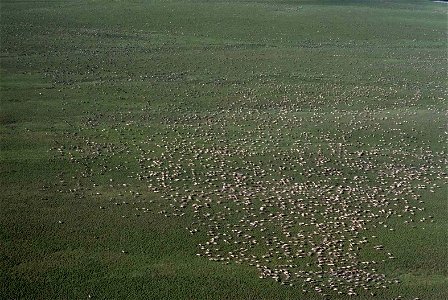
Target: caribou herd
<point>301,195</point>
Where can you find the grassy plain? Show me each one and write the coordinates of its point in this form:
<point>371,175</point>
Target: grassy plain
<point>89,88</point>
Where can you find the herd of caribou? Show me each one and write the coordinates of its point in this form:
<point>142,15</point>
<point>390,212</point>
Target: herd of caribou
<point>300,195</point>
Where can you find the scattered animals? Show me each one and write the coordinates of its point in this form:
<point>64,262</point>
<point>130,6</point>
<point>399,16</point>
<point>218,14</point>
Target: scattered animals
<point>291,146</point>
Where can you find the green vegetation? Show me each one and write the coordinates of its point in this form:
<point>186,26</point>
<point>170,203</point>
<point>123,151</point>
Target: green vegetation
<point>183,149</point>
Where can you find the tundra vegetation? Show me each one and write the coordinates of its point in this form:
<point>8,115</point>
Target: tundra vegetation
<point>223,149</point>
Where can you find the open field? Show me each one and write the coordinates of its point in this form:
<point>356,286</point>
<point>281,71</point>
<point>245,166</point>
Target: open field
<point>223,149</point>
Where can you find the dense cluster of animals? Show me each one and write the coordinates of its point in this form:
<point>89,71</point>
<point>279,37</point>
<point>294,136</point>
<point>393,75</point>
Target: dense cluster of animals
<point>299,195</point>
